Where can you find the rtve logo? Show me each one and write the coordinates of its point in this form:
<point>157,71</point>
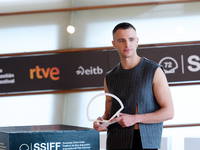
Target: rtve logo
<point>91,71</point>
<point>40,73</point>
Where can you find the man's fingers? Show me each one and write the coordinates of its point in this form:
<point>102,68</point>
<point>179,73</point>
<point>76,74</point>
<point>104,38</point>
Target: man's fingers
<point>116,119</point>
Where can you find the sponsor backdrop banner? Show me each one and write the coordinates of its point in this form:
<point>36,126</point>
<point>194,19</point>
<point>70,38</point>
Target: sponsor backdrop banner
<point>77,70</point>
<point>57,71</point>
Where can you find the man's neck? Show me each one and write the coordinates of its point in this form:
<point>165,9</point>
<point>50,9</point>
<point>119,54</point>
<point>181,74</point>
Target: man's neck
<point>128,63</point>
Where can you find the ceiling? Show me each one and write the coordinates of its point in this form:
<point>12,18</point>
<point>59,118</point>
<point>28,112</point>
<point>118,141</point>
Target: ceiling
<point>7,6</point>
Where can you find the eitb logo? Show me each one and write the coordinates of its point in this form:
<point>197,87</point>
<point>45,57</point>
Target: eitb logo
<point>89,71</point>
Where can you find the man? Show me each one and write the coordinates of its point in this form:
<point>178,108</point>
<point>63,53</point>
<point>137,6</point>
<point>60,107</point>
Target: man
<point>143,88</point>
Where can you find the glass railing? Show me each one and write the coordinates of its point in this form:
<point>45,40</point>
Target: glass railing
<point>181,137</point>
<point>174,137</point>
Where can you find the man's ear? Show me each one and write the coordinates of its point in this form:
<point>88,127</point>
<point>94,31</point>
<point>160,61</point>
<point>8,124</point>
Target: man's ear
<point>113,43</point>
<point>137,40</point>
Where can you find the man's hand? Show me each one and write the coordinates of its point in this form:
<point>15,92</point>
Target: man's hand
<point>125,120</point>
<point>97,125</point>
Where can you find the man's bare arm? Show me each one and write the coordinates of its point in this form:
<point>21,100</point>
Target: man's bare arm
<point>108,102</point>
<point>163,96</point>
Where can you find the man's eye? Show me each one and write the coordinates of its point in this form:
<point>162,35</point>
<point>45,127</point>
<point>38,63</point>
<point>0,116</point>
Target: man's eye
<point>121,40</point>
<point>132,39</point>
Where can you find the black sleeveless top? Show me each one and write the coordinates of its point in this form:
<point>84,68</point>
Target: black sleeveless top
<point>133,87</point>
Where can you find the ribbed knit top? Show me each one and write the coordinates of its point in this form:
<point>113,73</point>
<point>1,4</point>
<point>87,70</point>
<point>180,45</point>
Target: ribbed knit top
<point>133,87</point>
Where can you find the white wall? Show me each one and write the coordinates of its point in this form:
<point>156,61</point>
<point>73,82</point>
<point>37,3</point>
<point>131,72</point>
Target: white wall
<point>31,5</point>
<point>76,108</point>
<point>31,110</point>
<point>154,24</point>
<point>34,32</point>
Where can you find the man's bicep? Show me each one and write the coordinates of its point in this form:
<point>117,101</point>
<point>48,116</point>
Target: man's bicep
<point>108,101</point>
<point>161,88</point>
<point>163,95</point>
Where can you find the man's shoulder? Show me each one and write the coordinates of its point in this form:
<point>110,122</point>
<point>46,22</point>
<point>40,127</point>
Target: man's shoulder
<point>152,64</point>
<point>114,70</point>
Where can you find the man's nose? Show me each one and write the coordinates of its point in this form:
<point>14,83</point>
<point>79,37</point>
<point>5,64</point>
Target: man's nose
<point>127,43</point>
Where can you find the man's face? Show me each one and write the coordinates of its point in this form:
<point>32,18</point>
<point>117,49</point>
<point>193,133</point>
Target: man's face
<point>126,42</point>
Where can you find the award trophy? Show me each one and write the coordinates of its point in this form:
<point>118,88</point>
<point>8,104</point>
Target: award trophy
<point>105,123</point>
